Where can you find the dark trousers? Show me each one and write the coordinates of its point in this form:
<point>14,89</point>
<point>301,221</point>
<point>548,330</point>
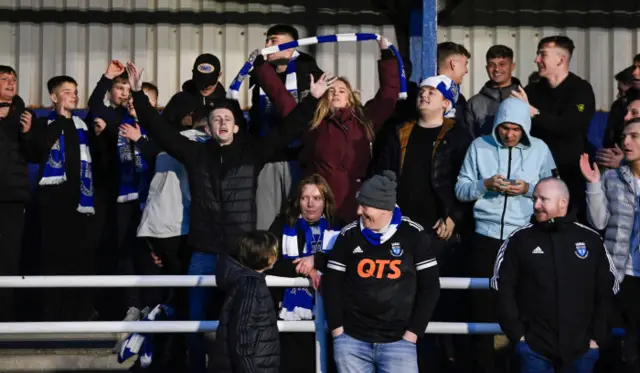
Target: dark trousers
<point>483,302</point>
<point>11,226</point>
<point>123,253</point>
<point>69,243</point>
<point>630,303</point>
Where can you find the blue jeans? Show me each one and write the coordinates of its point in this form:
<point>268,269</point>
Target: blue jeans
<point>202,264</point>
<point>354,356</point>
<point>533,362</point>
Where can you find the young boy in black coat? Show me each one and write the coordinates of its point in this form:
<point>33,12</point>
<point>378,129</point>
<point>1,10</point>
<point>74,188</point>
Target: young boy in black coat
<point>247,336</point>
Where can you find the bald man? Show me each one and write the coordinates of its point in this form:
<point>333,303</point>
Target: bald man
<point>555,284</point>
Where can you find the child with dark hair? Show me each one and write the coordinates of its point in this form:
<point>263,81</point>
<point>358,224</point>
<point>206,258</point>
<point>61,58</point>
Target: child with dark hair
<point>247,336</point>
<point>67,201</point>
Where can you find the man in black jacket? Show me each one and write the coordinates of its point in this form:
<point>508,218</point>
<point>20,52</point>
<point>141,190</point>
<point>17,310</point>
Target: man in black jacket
<point>281,173</point>
<point>222,179</point>
<point>555,284</point>
<point>561,105</point>
<point>15,125</point>
<point>383,280</point>
<point>428,153</point>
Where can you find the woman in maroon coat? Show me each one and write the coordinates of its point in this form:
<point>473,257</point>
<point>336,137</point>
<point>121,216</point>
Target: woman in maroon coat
<point>338,143</point>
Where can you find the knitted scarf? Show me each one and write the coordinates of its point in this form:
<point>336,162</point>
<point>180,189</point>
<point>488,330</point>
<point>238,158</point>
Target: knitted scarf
<point>54,172</point>
<point>298,302</point>
<point>376,238</point>
<point>134,181</point>
<point>234,88</point>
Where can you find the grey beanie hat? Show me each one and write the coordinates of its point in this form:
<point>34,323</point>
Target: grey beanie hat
<point>379,191</point>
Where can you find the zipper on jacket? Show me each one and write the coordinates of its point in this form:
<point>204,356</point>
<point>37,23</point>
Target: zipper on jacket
<point>504,209</point>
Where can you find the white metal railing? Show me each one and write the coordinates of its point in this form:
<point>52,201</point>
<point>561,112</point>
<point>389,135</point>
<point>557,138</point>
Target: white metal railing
<point>318,325</point>
<point>185,281</point>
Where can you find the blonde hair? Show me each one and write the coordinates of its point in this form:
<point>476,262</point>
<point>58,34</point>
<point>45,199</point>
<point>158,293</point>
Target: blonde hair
<point>353,102</point>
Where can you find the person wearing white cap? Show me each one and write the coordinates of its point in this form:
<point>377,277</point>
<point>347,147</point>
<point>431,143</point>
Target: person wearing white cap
<point>499,174</point>
<point>426,153</point>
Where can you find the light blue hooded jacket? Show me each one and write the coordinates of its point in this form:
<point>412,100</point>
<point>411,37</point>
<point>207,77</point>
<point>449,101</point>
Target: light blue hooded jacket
<point>496,214</point>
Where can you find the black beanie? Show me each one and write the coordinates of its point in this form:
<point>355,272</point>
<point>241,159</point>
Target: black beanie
<point>379,191</point>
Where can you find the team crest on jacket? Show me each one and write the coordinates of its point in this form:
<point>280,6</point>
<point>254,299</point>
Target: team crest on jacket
<point>581,250</point>
<point>396,250</point>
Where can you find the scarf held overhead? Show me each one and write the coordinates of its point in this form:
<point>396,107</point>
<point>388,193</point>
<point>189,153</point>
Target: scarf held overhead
<point>234,88</point>
<point>54,172</point>
<point>297,303</point>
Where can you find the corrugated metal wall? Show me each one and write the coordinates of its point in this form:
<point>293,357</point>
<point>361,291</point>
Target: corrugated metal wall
<point>167,52</point>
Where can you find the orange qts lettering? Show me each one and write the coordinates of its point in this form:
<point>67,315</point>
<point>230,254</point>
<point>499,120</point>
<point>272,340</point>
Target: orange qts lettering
<point>367,268</point>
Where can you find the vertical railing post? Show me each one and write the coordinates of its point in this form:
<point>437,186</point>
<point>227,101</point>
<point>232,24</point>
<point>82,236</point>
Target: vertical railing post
<point>423,34</point>
<point>321,336</point>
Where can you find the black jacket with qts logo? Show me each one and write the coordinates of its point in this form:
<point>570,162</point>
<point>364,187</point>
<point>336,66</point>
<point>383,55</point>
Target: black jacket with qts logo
<point>379,292</point>
<point>555,283</point>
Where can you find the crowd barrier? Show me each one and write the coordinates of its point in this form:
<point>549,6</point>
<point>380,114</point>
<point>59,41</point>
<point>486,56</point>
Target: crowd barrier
<point>318,325</point>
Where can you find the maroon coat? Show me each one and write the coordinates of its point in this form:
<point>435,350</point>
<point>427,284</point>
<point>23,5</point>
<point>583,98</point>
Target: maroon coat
<point>338,149</point>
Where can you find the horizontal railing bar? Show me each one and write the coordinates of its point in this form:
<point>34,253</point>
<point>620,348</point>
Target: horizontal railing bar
<point>93,327</point>
<point>184,281</point>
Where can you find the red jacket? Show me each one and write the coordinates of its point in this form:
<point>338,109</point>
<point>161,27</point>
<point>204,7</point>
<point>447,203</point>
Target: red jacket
<point>339,149</point>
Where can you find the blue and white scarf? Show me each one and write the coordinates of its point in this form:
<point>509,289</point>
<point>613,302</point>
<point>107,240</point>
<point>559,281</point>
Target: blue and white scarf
<point>298,302</point>
<point>132,187</point>
<point>266,108</point>
<point>143,345</point>
<point>455,91</point>
<point>375,238</point>
<point>234,88</point>
<point>55,172</point>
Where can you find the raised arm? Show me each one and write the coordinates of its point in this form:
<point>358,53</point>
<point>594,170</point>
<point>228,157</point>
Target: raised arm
<point>268,80</point>
<point>96,100</point>
<point>169,139</point>
<point>380,108</point>
<point>296,122</point>
<point>597,204</point>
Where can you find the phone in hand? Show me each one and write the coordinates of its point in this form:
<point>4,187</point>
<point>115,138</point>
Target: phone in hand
<point>511,181</point>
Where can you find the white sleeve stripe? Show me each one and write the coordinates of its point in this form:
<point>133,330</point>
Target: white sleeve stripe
<point>337,263</point>
<point>336,268</point>
<point>500,257</point>
<point>426,265</point>
<point>425,261</point>
<point>612,267</point>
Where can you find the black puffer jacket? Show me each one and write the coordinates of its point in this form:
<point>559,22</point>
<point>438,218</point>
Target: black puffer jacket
<point>14,172</point>
<point>482,108</point>
<point>247,338</point>
<point>222,179</point>
<point>448,153</point>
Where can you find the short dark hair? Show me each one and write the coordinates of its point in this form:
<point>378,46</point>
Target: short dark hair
<point>636,59</point>
<point>59,80</point>
<point>231,105</point>
<point>4,69</point>
<point>148,86</point>
<point>560,41</point>
<point>283,29</point>
<point>632,121</point>
<point>625,76</point>
<point>448,48</point>
<point>257,249</point>
<point>122,78</point>
<point>499,51</point>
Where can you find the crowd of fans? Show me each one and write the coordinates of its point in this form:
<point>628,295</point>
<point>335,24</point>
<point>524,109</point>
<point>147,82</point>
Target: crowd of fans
<point>373,202</point>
